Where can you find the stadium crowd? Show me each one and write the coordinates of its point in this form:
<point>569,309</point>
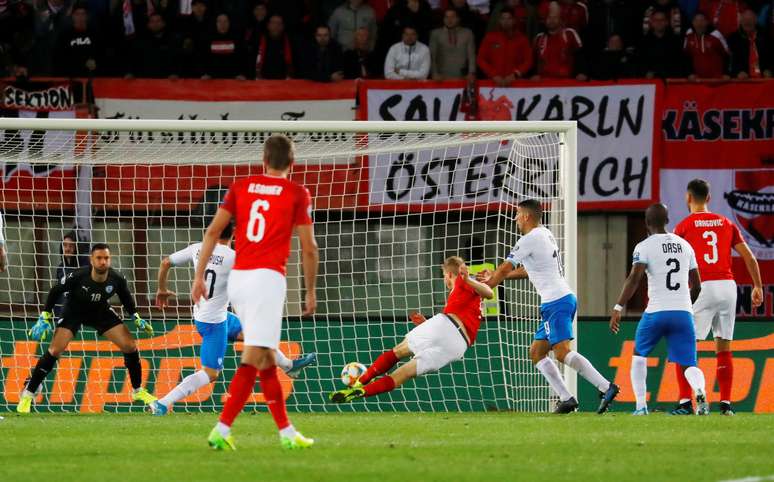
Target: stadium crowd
<point>331,40</point>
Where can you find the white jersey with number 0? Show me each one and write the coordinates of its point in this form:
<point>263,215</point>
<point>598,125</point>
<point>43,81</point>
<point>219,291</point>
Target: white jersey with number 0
<point>538,252</point>
<point>667,258</point>
<point>212,310</point>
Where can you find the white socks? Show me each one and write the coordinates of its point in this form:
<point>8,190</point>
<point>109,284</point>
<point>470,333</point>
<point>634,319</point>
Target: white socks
<point>189,385</point>
<point>639,377</point>
<point>580,364</point>
<point>550,371</point>
<point>695,378</point>
<point>283,362</point>
<point>288,431</point>
<point>224,429</point>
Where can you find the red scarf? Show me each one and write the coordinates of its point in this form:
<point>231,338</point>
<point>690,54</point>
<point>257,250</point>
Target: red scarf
<point>262,54</point>
<point>755,65</point>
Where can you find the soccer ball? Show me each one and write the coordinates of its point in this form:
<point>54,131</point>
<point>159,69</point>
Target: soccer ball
<point>351,372</point>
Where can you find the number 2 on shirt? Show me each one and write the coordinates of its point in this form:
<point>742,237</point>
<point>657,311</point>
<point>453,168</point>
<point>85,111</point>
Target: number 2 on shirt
<point>256,225</point>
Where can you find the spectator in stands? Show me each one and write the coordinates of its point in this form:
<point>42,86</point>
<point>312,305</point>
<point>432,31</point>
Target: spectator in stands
<point>225,56</point>
<point>659,53</point>
<point>520,15</point>
<point>452,49</point>
<point>322,61</point>
<point>73,257</point>
<point>414,13</point>
<point>51,20</point>
<point>293,13</point>
<point>78,48</point>
<point>407,59</point>
<point>723,14</point>
<point>556,51</point>
<point>766,19</point>
<point>195,31</point>
<point>274,57</point>
<point>612,17</point>
<point>360,62</point>
<point>672,11</point>
<point>707,52</point>
<point>505,54</point>
<point>470,19</point>
<point>347,18</point>
<point>17,38</point>
<point>156,52</point>
<point>751,53</point>
<point>614,62</point>
<point>574,14</point>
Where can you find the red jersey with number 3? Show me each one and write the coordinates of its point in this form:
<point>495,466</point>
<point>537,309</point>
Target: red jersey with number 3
<point>712,237</point>
<point>265,210</point>
<point>465,303</point>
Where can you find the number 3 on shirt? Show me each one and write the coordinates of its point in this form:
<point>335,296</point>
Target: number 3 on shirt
<point>713,242</point>
<point>256,226</point>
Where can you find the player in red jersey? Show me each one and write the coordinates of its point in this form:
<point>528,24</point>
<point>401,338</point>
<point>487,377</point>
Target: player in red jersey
<point>267,209</point>
<point>433,344</point>
<point>712,236</point>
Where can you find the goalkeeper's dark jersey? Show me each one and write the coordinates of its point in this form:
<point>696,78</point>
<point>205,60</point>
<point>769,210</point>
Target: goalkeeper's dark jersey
<point>89,297</point>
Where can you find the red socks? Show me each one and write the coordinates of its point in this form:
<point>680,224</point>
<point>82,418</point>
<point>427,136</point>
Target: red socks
<point>272,392</point>
<point>382,364</point>
<point>239,391</point>
<point>685,387</point>
<point>725,374</point>
<point>382,385</point>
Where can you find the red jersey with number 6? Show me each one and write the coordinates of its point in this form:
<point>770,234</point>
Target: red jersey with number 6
<point>712,237</point>
<point>265,210</point>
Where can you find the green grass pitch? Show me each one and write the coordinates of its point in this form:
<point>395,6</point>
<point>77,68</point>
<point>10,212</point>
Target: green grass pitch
<point>389,447</point>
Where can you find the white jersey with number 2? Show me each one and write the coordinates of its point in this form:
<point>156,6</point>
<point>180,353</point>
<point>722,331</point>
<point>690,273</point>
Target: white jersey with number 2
<point>667,258</point>
<point>538,252</point>
<point>213,309</point>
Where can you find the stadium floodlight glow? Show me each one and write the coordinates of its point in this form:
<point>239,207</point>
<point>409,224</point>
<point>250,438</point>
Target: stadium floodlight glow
<point>392,200</point>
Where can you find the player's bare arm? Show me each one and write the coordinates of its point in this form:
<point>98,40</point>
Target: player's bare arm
<point>3,261</point>
<point>486,274</point>
<point>500,274</point>
<point>755,272</point>
<point>217,225</point>
<point>310,258</point>
<point>694,280</point>
<point>481,289</point>
<point>629,287</point>
<point>162,292</point>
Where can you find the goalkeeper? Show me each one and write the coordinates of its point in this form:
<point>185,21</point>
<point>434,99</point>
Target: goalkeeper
<point>89,289</point>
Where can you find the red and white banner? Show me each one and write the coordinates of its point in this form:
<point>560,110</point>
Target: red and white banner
<point>618,150</point>
<point>718,125</point>
<point>224,99</point>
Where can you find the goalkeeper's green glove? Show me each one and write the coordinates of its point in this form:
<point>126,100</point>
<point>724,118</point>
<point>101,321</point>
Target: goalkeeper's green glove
<point>42,328</point>
<point>142,324</point>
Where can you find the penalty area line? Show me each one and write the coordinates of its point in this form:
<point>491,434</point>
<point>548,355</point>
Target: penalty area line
<point>760,478</point>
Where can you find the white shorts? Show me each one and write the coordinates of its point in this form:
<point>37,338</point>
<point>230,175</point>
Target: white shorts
<point>258,298</point>
<point>436,343</point>
<point>716,308</point>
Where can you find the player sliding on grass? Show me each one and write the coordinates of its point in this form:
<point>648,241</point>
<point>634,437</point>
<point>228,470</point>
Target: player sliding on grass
<point>536,256</point>
<point>267,209</point>
<point>433,344</point>
<point>673,285</point>
<point>88,291</point>
<point>213,321</point>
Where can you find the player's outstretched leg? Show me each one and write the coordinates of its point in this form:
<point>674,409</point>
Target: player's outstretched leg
<point>607,390</point>
<point>639,375</point>
<point>44,366</point>
<point>368,387</point>
<point>293,368</point>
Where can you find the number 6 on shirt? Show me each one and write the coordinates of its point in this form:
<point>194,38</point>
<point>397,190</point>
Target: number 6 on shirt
<point>255,233</point>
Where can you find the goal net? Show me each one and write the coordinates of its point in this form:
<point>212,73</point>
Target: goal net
<point>391,202</point>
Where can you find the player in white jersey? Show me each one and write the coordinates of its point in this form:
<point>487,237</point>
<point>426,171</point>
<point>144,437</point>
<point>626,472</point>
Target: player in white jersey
<point>673,286</point>
<point>536,256</point>
<point>214,322</point>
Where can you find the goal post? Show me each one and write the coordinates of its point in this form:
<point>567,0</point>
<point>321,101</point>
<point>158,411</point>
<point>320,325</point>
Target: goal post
<point>391,201</point>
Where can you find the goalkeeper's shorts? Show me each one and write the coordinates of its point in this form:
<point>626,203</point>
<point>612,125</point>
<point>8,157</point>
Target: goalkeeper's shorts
<point>101,321</point>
